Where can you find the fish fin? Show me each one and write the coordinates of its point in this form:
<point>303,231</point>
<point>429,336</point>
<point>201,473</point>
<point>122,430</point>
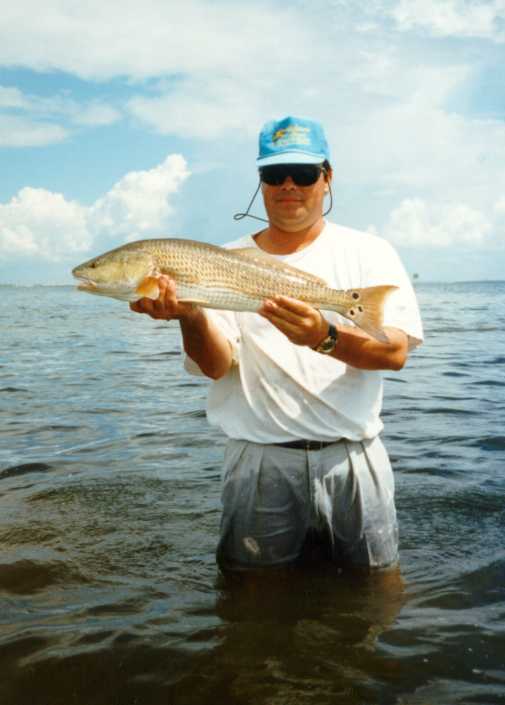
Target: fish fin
<point>365,308</point>
<point>254,253</point>
<point>148,288</point>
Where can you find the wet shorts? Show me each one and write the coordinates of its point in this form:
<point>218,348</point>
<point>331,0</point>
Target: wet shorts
<point>274,496</point>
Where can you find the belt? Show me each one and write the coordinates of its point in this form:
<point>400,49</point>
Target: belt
<point>305,445</point>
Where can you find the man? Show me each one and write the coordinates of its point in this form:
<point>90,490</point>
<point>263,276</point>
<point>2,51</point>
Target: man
<point>298,392</point>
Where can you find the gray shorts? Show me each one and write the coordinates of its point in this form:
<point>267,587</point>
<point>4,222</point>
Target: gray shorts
<point>275,497</point>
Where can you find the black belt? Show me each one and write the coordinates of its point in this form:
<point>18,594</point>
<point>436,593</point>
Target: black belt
<point>305,445</point>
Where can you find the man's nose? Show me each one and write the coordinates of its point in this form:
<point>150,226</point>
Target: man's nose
<point>288,183</point>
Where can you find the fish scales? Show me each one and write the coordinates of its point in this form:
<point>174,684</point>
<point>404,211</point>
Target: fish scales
<point>252,276</point>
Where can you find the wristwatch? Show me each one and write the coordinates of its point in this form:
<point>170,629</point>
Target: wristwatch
<point>327,345</point>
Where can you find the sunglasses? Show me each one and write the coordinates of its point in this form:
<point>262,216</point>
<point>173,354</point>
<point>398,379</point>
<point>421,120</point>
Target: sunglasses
<point>302,174</point>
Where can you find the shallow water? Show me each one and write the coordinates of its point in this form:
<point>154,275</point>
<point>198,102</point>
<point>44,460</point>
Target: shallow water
<point>109,515</point>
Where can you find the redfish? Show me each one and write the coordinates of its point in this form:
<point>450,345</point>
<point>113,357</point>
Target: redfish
<point>231,279</point>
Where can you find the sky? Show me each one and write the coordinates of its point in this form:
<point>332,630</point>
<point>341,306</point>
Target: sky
<point>126,120</point>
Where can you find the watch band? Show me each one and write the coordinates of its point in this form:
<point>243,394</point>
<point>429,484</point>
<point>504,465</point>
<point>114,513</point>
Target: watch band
<point>327,345</point>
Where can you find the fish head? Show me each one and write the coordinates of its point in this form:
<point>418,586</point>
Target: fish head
<point>118,273</point>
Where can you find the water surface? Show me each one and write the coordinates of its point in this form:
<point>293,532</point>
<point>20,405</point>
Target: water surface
<point>109,516</point>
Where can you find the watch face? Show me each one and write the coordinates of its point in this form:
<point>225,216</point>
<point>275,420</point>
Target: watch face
<point>328,344</point>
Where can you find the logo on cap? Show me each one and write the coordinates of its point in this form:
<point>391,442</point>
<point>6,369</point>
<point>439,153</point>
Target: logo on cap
<point>292,135</point>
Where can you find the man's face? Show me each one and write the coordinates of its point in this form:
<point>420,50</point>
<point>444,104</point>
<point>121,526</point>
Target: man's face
<point>293,208</point>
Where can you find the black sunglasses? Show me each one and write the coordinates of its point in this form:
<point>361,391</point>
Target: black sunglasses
<point>302,174</point>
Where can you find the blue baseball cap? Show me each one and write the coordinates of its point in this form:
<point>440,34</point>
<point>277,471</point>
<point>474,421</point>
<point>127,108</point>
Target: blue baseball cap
<point>292,140</point>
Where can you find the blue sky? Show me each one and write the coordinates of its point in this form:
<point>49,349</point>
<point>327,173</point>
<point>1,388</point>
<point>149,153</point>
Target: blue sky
<point>120,121</point>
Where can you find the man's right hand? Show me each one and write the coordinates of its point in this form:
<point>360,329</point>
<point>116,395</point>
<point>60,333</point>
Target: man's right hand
<point>202,340</point>
<point>166,306</point>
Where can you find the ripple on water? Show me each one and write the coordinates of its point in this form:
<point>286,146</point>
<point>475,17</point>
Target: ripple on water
<point>23,469</point>
<point>493,443</point>
<point>26,577</point>
<point>488,383</point>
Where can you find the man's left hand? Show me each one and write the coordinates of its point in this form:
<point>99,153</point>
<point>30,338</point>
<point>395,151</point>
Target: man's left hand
<point>300,323</point>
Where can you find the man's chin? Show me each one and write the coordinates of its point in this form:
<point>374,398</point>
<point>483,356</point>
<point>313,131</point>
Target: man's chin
<point>290,216</point>
<point>292,225</point>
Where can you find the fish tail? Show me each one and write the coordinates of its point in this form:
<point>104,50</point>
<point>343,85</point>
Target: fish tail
<point>365,308</point>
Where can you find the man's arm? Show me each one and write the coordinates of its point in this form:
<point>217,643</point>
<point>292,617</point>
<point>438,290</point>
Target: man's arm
<point>304,325</point>
<point>202,340</point>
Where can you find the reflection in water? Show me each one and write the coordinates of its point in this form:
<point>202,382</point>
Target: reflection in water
<point>306,633</point>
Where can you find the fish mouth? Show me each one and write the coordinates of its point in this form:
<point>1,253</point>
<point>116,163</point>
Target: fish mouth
<point>85,284</point>
<point>121,292</point>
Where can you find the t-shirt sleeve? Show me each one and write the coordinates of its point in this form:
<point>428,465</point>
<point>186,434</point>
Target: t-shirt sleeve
<point>401,309</point>
<point>226,322</point>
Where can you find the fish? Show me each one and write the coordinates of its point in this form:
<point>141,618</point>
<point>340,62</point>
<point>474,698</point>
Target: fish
<point>223,278</point>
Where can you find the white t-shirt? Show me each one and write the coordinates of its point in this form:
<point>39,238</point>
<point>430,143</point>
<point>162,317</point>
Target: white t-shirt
<point>279,391</point>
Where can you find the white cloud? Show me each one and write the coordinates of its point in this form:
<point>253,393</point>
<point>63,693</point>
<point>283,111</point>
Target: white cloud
<point>453,18</point>
<point>499,213</point>
<point>220,63</point>
<point>500,206</point>
<point>200,108</point>
<point>94,114</point>
<point>153,39</point>
<point>413,145</point>
<point>416,223</point>
<point>17,131</point>
<point>37,222</point>
<point>33,121</point>
<point>12,97</point>
<point>138,204</point>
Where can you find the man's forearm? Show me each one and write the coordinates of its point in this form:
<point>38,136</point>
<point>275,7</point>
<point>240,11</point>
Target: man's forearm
<point>304,325</point>
<point>359,350</point>
<point>206,345</point>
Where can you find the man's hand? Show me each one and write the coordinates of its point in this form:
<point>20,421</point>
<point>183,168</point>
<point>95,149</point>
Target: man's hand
<point>166,306</point>
<point>300,323</point>
<point>304,325</point>
<point>202,340</point>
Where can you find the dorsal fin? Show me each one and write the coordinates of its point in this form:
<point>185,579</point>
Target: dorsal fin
<point>254,253</point>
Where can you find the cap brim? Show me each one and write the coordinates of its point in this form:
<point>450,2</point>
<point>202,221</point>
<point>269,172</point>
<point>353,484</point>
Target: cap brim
<point>291,158</point>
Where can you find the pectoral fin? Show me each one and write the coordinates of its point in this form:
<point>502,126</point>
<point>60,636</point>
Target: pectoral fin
<point>148,288</point>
